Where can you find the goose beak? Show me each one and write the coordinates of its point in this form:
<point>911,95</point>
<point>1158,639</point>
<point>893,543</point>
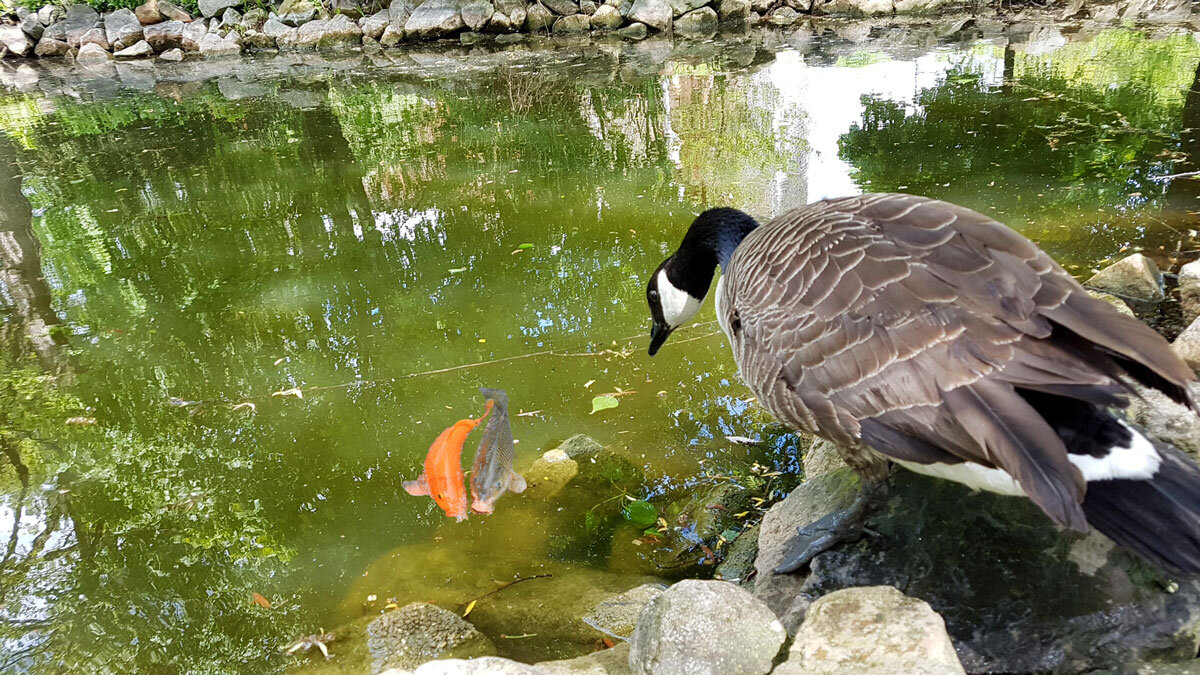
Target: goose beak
<point>659,333</point>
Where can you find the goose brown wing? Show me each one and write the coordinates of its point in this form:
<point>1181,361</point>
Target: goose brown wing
<point>911,325</point>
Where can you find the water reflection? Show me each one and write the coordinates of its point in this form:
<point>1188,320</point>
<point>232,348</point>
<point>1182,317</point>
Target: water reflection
<point>211,239</point>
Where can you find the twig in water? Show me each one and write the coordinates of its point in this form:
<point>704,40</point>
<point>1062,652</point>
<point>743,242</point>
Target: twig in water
<point>509,584</point>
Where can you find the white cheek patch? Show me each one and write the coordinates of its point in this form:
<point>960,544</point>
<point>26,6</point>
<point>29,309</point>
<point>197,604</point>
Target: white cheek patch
<point>677,305</point>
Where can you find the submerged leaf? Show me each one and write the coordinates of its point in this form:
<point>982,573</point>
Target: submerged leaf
<point>603,403</point>
<point>260,600</point>
<point>457,270</point>
<point>641,513</point>
<point>470,606</point>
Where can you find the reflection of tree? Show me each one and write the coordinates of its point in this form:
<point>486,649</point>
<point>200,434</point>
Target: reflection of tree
<point>24,295</point>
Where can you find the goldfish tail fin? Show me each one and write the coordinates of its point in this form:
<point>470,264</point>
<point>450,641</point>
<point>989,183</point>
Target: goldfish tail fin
<point>418,487</point>
<point>517,484</point>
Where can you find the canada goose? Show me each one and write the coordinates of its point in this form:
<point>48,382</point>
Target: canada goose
<point>917,331</point>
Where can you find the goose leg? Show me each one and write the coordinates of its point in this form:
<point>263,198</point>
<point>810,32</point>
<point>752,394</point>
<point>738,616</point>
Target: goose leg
<point>845,526</point>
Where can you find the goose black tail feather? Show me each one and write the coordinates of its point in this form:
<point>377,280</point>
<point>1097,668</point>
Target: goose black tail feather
<point>1157,518</point>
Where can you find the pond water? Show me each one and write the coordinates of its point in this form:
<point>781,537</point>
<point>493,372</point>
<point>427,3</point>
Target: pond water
<point>386,235</point>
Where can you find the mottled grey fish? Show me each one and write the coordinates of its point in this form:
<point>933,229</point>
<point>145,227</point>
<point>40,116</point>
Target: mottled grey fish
<point>492,472</point>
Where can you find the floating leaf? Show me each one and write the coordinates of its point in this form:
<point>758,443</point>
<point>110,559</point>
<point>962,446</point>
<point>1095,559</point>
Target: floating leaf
<point>457,270</point>
<point>641,513</point>
<point>294,391</point>
<point>470,606</point>
<point>82,421</point>
<point>261,600</point>
<point>603,403</point>
<point>525,246</point>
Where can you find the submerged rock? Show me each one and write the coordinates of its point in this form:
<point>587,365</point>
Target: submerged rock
<point>421,632</point>
<point>1135,277</point>
<point>872,630</point>
<point>618,616</point>
<point>1017,594</point>
<point>701,627</point>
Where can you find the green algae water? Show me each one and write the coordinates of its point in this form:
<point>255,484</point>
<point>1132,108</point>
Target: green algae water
<point>241,300</point>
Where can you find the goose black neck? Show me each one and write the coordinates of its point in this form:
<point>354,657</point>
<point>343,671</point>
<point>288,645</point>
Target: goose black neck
<point>713,237</point>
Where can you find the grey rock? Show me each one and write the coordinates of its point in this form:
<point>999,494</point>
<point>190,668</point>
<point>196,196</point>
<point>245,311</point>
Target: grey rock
<point>697,23</point>
<point>48,14</point>
<point>562,7</point>
<point>341,32</point>
<point>231,18</point>
<point>487,665</point>
<point>371,46</point>
<point>274,29</point>
<point>399,12</point>
<point>500,23</point>
<point>92,53</point>
<point>538,18</point>
<point>613,661</point>
<point>122,29</point>
<point>587,7</point>
<point>193,34</point>
<point>348,8</point>
<point>374,25</point>
<point>1158,11</point>
<point>681,7</point>
<point>783,16</point>
<point>576,23</point>
<point>55,31</point>
<point>211,8</point>
<point>656,14</point>
<point>32,27</point>
<point>921,6</point>
<point>733,11</point>
<point>738,565</point>
<point>79,20</point>
<point>96,37</point>
<point>761,6</point>
<point>1189,290</point>
<point>509,6</point>
<point>214,46</point>
<point>420,632</point>
<point>137,50</point>
<point>165,35</point>
<point>175,55</point>
<point>618,616</point>
<point>873,630</point>
<point>49,47</point>
<point>296,12</point>
<point>254,18</point>
<point>257,39</point>
<point>435,19</point>
<point>392,35</point>
<point>634,31</point>
<point>580,446</point>
<point>1135,277</point>
<point>147,13</point>
<point>821,458</point>
<point>172,12</point>
<point>1117,303</point>
<point>1187,345</point>
<point>477,13</point>
<point>701,627</point>
<point>15,40</point>
<point>606,17</point>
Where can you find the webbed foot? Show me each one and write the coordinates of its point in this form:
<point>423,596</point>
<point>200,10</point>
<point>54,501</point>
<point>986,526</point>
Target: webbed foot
<point>845,526</point>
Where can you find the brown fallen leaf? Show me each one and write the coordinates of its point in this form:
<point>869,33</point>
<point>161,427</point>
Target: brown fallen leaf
<point>260,600</point>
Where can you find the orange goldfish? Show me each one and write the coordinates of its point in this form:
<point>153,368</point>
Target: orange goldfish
<point>443,477</point>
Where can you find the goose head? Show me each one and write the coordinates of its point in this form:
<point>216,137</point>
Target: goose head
<point>677,288</point>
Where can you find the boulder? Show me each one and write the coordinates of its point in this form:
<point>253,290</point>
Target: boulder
<point>96,37</point>
<point>215,46</point>
<point>79,19</point>
<point>230,18</point>
<point>257,40</point>
<point>587,7</point>
<point>656,14</point>
<point>174,55</point>
<point>122,29</point>
<point>1187,345</point>
<point>165,35</point>
<point>562,7</point>
<point>634,31</point>
<point>499,23</point>
<point>576,23</point>
<point>296,12</point>
<point>1135,277</point>
<point>681,7</point>
<point>1159,11</point>
<point>254,18</point>
<point>697,23</point>
<point>821,457</point>
<point>701,627</point>
<point>618,616</point>
<point>274,29</point>
<point>32,27</point>
<point>435,19</point>
<point>348,8</point>
<point>374,25</point>
<point>783,16</point>
<point>1117,303</point>
<point>92,53</point>
<point>137,50</point>
<point>538,18</point>
<point>487,665</point>
<point>48,14</point>
<point>477,13</point>
<point>193,34</point>
<point>872,630</point>
<point>15,40</point>
<point>147,13</point>
<point>47,47</point>
<point>1083,604</point>
<point>733,11</point>
<point>612,661</point>
<point>341,32</point>
<point>392,35</point>
<point>1189,290</point>
<point>399,11</point>
<point>173,12</point>
<point>421,632</point>
<point>606,18</point>
<point>211,8</point>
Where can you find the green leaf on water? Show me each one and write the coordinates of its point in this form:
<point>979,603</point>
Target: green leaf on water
<point>603,403</point>
<point>525,246</point>
<point>640,513</point>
